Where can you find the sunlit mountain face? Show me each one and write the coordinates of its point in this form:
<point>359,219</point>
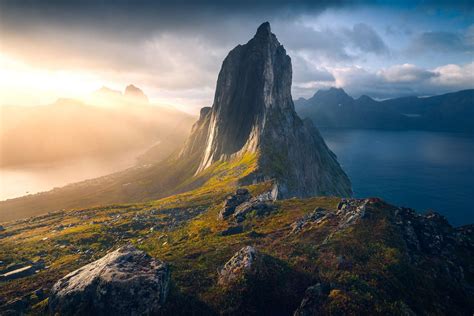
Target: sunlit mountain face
<point>234,158</point>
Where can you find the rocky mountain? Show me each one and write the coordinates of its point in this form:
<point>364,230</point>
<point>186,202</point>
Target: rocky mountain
<point>253,112</point>
<point>225,245</point>
<point>251,133</point>
<point>333,108</point>
<point>135,94</point>
<point>132,95</point>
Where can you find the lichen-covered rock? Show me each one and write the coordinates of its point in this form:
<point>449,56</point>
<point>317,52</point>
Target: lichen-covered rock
<point>260,207</point>
<point>350,211</point>
<point>430,237</point>
<point>240,264</point>
<point>314,217</point>
<point>230,204</point>
<point>126,281</point>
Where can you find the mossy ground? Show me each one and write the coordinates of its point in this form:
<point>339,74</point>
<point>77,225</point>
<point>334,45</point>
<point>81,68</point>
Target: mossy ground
<point>365,264</point>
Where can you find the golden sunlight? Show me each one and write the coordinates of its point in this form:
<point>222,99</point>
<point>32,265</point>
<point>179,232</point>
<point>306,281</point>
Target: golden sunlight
<point>43,86</point>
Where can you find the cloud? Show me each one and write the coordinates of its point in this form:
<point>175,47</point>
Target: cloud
<point>406,73</point>
<point>406,80</point>
<point>455,76</point>
<point>366,39</point>
<point>443,42</point>
<point>174,49</point>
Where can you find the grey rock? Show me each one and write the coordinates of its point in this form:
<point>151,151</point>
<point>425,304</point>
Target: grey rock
<point>253,112</point>
<point>431,236</point>
<point>261,208</point>
<point>350,211</point>
<point>126,281</point>
<point>233,201</point>
<point>314,217</point>
<point>240,264</point>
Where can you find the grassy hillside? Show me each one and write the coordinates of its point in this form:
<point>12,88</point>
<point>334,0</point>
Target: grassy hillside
<point>368,267</point>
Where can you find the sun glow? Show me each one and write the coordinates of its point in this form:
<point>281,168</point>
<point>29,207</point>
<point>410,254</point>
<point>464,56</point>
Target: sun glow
<point>22,84</point>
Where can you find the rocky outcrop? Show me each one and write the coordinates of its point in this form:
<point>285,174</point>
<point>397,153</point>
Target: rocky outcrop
<point>232,201</point>
<point>430,237</point>
<point>126,281</point>
<point>238,205</point>
<point>241,263</point>
<point>135,94</point>
<point>314,217</point>
<point>255,283</point>
<point>253,112</point>
<point>196,142</point>
<point>350,211</point>
<point>260,207</point>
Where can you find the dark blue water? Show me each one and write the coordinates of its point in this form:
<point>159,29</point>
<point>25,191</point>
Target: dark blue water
<point>421,170</point>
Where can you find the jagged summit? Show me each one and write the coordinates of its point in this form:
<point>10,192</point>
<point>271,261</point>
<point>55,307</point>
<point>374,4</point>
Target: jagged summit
<point>135,94</point>
<point>332,95</point>
<point>264,29</point>
<point>253,112</point>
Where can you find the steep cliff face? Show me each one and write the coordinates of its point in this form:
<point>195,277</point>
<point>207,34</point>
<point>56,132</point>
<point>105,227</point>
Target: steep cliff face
<point>253,111</point>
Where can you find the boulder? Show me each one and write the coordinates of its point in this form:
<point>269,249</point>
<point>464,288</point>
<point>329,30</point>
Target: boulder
<point>261,208</point>
<point>241,195</point>
<point>241,263</point>
<point>126,281</point>
<point>350,211</point>
<point>315,216</point>
<point>255,283</point>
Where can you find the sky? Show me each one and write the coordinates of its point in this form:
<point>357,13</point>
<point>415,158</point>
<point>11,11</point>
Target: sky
<point>173,50</point>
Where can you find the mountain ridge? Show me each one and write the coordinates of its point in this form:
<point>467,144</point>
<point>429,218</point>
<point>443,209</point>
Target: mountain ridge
<point>252,127</point>
<point>253,112</point>
<point>334,108</point>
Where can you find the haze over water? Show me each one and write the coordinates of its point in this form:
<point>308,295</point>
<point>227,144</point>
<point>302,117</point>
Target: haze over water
<point>417,169</point>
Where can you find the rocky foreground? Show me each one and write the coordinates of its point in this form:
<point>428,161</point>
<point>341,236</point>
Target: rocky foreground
<point>318,256</point>
<point>125,281</point>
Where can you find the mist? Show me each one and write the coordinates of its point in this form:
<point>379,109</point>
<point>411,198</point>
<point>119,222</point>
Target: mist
<point>46,146</point>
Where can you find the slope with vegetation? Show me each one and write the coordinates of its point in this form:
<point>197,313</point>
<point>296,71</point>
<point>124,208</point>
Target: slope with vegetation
<point>248,228</point>
<point>366,263</point>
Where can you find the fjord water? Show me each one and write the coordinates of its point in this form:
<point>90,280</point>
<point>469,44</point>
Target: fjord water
<point>417,169</point>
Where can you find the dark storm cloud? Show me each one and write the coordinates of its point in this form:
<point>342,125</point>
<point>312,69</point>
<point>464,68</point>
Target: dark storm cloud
<point>441,41</point>
<point>366,39</point>
<point>178,46</point>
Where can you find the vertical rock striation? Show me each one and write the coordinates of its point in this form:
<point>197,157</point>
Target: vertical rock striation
<point>253,111</point>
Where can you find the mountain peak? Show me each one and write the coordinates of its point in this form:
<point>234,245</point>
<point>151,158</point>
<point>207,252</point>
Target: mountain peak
<point>134,93</point>
<point>332,96</point>
<point>253,113</point>
<point>332,91</point>
<point>264,30</point>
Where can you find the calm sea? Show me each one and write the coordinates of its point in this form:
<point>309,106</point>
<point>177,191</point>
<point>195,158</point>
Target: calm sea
<point>421,170</point>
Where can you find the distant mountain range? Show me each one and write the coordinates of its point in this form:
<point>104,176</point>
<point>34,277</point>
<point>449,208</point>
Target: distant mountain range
<point>70,129</point>
<point>334,108</point>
